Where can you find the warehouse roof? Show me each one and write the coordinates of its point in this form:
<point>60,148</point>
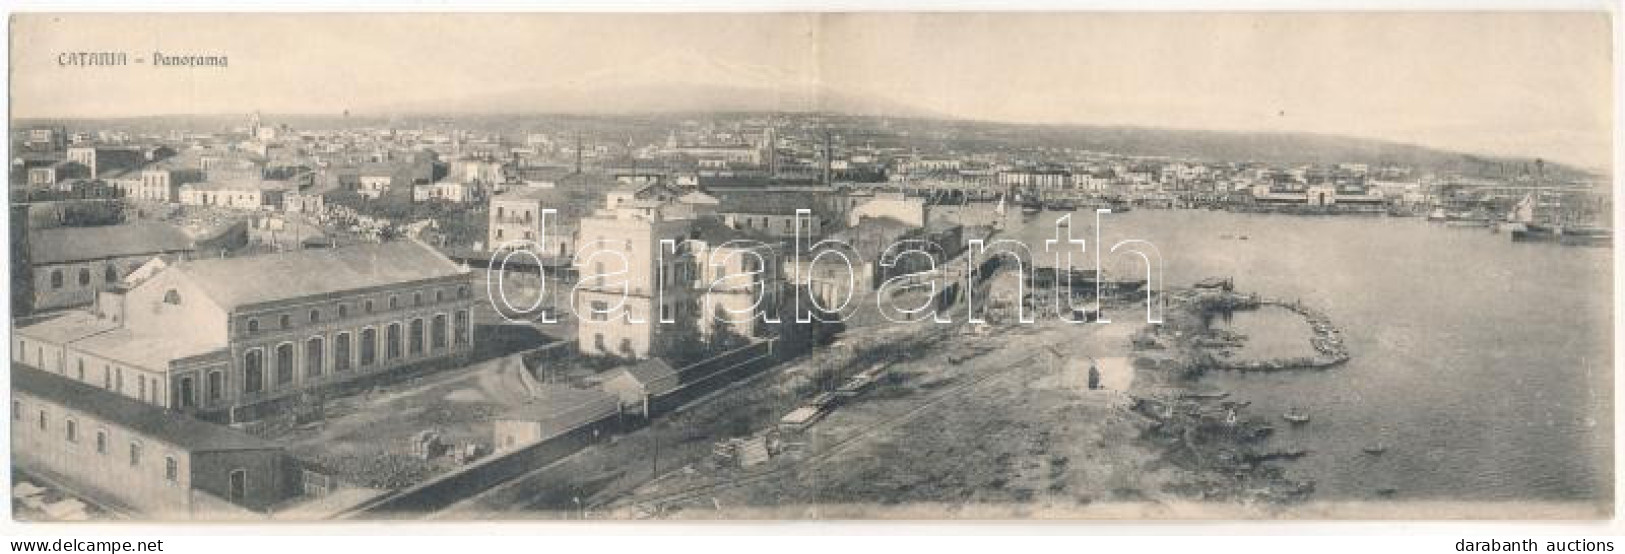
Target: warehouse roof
<point>182,431</point>
<point>234,282</point>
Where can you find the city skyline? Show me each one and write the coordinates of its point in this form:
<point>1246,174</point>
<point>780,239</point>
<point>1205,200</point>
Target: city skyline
<point>1521,84</point>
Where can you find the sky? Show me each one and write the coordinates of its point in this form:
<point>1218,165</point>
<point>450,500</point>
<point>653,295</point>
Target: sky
<point>1516,84</point>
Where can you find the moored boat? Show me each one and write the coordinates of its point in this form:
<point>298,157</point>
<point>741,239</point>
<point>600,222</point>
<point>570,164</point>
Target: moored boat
<point>1296,416</point>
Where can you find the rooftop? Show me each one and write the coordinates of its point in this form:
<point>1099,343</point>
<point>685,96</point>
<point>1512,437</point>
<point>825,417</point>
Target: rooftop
<point>151,350</point>
<point>66,326</point>
<point>236,282</point>
<point>71,244</point>
<point>564,404</point>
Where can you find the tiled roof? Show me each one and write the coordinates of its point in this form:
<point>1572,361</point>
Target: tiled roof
<point>771,203</point>
<point>152,421</point>
<point>655,375</point>
<point>69,244</point>
<point>65,327</point>
<point>562,407</point>
<point>235,282</point>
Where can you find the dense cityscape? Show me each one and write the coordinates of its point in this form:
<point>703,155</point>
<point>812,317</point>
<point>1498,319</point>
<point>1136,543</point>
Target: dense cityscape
<point>302,317</point>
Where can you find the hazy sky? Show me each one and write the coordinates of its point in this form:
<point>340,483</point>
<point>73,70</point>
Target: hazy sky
<point>1525,84</point>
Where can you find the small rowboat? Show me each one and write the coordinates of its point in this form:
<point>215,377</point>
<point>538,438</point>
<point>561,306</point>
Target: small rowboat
<point>1296,416</point>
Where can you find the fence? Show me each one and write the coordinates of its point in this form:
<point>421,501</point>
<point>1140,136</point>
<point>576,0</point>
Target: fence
<point>449,488</point>
<point>695,381</point>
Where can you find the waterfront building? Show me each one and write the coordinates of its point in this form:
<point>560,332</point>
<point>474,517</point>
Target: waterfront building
<point>1037,179</point>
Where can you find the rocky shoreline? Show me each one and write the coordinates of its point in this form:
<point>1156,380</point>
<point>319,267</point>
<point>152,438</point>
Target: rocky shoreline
<point>1198,428</point>
<point>1327,340</point>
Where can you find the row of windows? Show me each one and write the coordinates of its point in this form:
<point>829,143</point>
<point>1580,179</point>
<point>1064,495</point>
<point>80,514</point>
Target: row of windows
<point>315,352</point>
<point>109,275</point>
<point>112,377</point>
<point>70,433</point>
<point>285,321</point>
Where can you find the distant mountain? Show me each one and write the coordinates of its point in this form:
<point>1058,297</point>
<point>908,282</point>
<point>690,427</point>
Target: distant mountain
<point>659,99</point>
<point>1268,147</point>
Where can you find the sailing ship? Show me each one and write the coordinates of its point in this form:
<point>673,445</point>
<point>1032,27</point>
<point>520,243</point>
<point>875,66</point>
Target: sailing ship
<point>1535,220</point>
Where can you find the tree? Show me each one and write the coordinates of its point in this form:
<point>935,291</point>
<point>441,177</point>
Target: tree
<point>680,342</point>
<point>723,335</point>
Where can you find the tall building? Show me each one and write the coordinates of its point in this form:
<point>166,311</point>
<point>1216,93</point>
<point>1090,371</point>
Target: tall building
<point>618,314</point>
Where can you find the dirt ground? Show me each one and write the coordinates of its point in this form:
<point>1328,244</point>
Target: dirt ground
<point>1012,428</point>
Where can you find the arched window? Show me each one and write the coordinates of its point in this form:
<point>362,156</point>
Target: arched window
<point>437,332</point>
<point>314,357</point>
<point>56,278</point>
<point>215,385</point>
<point>459,330</point>
<point>253,371</point>
<point>392,338</point>
<point>369,346</point>
<point>284,363</point>
<point>416,337</point>
<point>172,296</point>
<point>84,277</point>
<point>341,352</point>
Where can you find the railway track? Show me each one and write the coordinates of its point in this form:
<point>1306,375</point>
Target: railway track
<point>706,491</point>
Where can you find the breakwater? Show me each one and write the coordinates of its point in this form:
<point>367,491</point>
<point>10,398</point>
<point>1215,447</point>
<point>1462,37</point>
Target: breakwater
<point>1326,339</point>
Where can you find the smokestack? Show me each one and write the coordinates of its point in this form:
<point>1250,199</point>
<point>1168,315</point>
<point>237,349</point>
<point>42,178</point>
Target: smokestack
<point>829,151</point>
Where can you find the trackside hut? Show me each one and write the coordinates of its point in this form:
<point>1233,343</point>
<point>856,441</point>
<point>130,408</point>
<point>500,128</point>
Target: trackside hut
<point>553,411</point>
<point>636,384</point>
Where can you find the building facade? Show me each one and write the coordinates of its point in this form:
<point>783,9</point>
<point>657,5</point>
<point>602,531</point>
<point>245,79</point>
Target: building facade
<point>69,266</point>
<point>234,336</point>
<point>161,464</point>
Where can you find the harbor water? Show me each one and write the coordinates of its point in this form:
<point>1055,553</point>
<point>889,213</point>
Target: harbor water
<point>1484,366</point>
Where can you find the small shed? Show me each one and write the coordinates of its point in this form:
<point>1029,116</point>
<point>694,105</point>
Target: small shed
<point>635,384</point>
<point>554,410</point>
